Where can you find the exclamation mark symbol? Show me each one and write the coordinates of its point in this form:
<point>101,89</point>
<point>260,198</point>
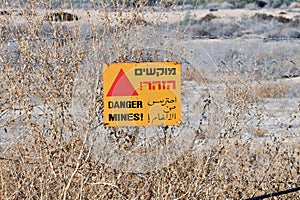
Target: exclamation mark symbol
<point>142,117</point>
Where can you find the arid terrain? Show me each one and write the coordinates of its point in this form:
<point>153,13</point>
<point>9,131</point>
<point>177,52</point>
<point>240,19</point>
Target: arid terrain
<point>240,131</point>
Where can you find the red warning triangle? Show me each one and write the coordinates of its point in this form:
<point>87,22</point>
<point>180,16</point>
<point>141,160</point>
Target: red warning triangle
<point>122,86</point>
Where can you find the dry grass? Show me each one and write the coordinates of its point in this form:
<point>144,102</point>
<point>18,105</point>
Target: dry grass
<point>46,152</point>
<point>231,169</point>
<point>273,90</point>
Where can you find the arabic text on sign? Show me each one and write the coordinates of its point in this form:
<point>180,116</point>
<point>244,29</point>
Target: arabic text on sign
<point>162,102</point>
<point>163,117</point>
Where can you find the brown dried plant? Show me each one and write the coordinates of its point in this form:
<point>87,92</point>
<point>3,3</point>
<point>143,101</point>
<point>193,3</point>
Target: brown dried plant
<point>46,153</point>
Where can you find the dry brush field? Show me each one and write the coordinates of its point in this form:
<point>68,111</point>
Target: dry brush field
<point>240,134</point>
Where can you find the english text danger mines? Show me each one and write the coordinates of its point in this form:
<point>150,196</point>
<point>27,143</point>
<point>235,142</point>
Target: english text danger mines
<point>125,117</point>
<point>125,104</point>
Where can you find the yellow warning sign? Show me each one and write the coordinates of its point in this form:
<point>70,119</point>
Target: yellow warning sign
<point>142,94</point>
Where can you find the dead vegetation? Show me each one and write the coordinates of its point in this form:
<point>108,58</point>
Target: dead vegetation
<point>4,12</point>
<point>47,152</point>
<point>266,25</point>
<point>61,16</point>
<point>262,17</point>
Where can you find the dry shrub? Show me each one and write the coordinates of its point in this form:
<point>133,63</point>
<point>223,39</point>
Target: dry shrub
<point>46,153</point>
<point>239,95</point>
<point>295,5</point>
<point>207,18</point>
<point>249,91</point>
<point>261,17</point>
<point>231,169</point>
<point>4,12</point>
<point>273,90</point>
<point>260,132</point>
<point>61,16</point>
